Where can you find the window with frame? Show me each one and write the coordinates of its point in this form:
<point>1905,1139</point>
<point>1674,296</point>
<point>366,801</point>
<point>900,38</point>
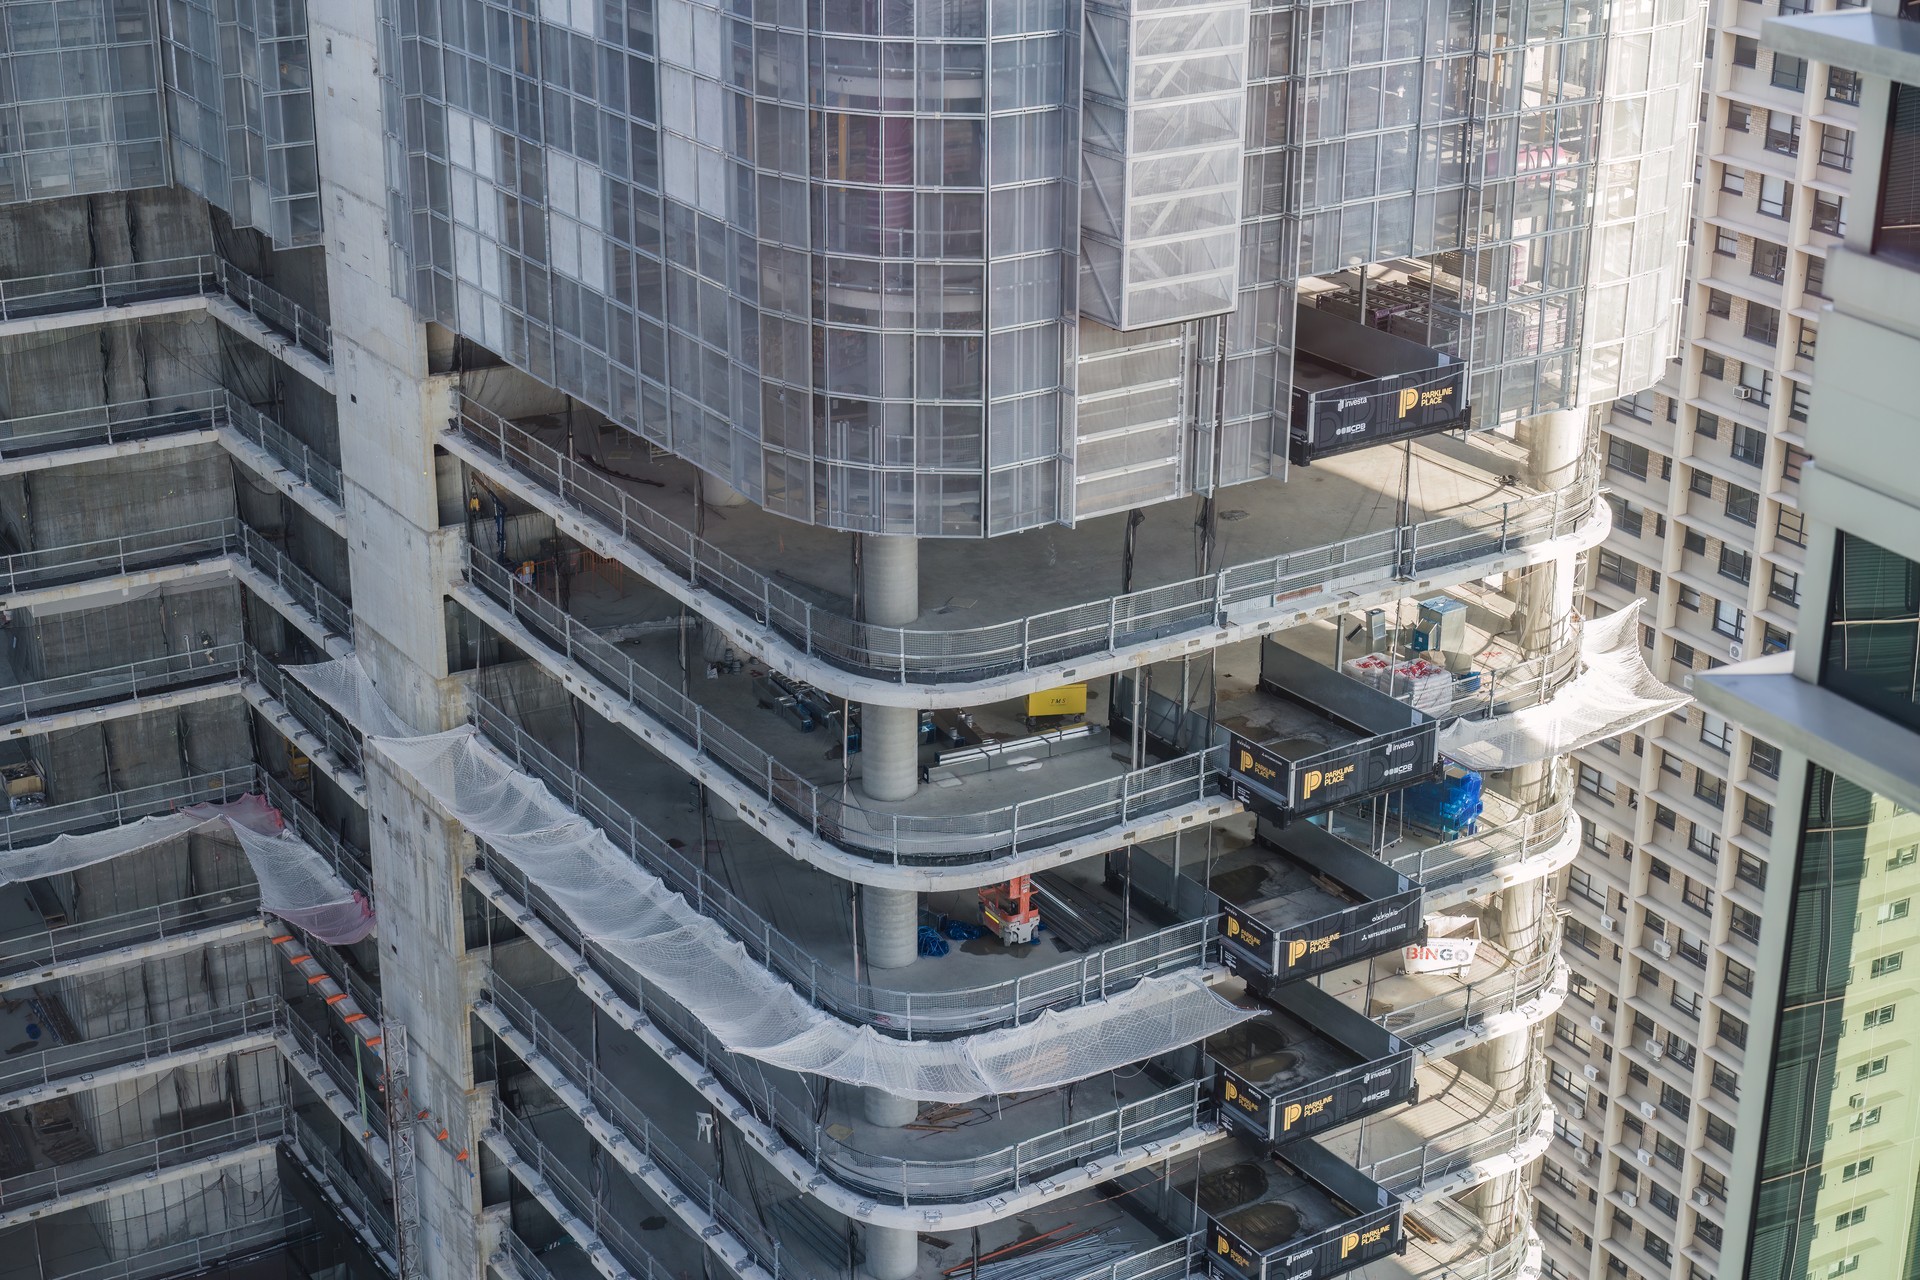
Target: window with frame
<point>1762,323</point>
<point>1870,1068</point>
<point>1706,425</point>
<point>1638,407</point>
<point>1790,526</point>
<point>1595,783</point>
<point>1830,214</point>
<point>1746,51</point>
<point>1756,385</point>
<point>1671,764</point>
<point>1791,462</point>
<point>1711,790</point>
<point>1627,518</point>
<point>1612,567</point>
<point>1856,1169</point>
<point>1873,630</point>
<point>1801,402</point>
<point>1683,654</point>
<point>1843,85</point>
<point>1809,339</point>
<point>1816,276</point>
<point>1726,244</point>
<point>1749,446</point>
<point>1625,456</point>
<point>1758,814</point>
<point>1896,224</point>
<point>1881,1017</point>
<point>1747,925</point>
<point>1836,148</point>
<point>1719,304</point>
<point>1736,565</point>
<point>1730,1028</point>
<point>1665,817</point>
<point>1713,365</point>
<point>1697,895</point>
<point>1740,978</point>
<point>1888,964</point>
<point>1729,619</point>
<point>1715,732</point>
<point>1703,843</point>
<point>1789,72</point>
<point>1769,261</point>
<point>1750,869</point>
<point>1775,640</point>
<point>1776,196</point>
<point>1700,482</point>
<point>1742,507</point>
<point>1784,585</point>
<point>1783,127</point>
<point>1733,181</point>
<point>1764,759</point>
<point>1719,1132</point>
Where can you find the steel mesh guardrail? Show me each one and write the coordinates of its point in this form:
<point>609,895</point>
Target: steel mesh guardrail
<point>140,679</point>
<point>139,1044</point>
<point>269,1124</point>
<point>913,655</point>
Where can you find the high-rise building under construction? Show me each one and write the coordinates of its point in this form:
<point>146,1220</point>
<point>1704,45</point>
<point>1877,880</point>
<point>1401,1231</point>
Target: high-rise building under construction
<point>935,639</point>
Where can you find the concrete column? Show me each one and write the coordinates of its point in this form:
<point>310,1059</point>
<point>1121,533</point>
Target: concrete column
<point>889,752</point>
<point>887,1109</point>
<point>893,1253</point>
<point>889,926</point>
<point>889,580</point>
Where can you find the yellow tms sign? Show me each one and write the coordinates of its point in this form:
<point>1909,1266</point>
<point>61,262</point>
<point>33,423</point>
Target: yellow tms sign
<point>1314,779</point>
<point>1361,1239</point>
<point>1412,398</point>
<point>1294,1112</point>
<point>1300,948</point>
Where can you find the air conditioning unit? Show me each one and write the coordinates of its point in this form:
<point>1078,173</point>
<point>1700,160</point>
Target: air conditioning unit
<point>1643,1155</point>
<point>1701,1198</point>
<point>1656,1050</point>
<point>1662,948</point>
<point>1629,1199</point>
<point>1857,1101</point>
<point>1744,393</point>
<point>1598,1023</point>
<point>1583,1157</point>
<point>1686,681</point>
<point>1590,1071</point>
<point>1647,1109</point>
<point>1576,1112</point>
<point>1606,923</point>
<point>1734,650</point>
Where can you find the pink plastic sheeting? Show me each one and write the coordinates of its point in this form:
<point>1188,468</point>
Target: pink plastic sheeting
<point>296,883</point>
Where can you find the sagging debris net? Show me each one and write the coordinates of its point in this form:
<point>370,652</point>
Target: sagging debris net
<point>344,685</point>
<point>1614,692</point>
<point>297,883</point>
<point>619,906</point>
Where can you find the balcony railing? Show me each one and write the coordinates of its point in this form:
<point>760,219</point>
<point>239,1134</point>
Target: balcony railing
<point>114,684</point>
<point>1449,1153</point>
<point>900,1181</point>
<point>374,1212</point>
<point>140,1044</point>
<point>614,1106</point>
<point>909,655</point>
<point>333,613</point>
<point>315,716</point>
<point>269,1124</point>
<point>202,1253</point>
<point>164,416</point>
<point>30,826</point>
<point>61,944</point>
<point>1465,1003</point>
<point>1469,858</point>
<point>580,1201</point>
<point>899,838</point>
<point>24,297</point>
<point>371,1107</point>
<point>1091,977</point>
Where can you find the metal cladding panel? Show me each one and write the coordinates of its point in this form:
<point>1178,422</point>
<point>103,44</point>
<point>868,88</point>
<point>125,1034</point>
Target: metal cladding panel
<point>1315,946</point>
<point>1397,407</point>
<point>1322,1104</point>
<point>1330,1253</point>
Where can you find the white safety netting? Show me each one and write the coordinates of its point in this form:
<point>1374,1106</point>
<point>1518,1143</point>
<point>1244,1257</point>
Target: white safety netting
<point>635,917</point>
<point>344,685</point>
<point>297,883</point>
<point>1615,691</point>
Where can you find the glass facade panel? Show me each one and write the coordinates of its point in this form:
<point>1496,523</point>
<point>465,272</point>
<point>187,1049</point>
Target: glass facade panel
<point>1873,630</point>
<point>1842,1137</point>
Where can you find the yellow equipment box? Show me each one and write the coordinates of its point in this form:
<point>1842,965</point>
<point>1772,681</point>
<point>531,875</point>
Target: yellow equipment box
<point>1067,700</point>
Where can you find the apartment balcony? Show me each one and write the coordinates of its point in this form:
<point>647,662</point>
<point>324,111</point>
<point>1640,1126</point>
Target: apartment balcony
<point>774,749</point>
<point>1439,1013</point>
<point>76,1065</point>
<point>101,1175</point>
<point>1456,1136</point>
<point>749,884</point>
<point>30,706</point>
<point>1509,845</point>
<point>1024,1143</point>
<point>781,590</point>
<point>103,294</point>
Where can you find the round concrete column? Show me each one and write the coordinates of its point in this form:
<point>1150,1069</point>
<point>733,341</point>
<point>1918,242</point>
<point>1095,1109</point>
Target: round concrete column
<point>889,1110</point>
<point>893,1253</point>
<point>889,580</point>
<point>890,926</point>
<point>889,752</point>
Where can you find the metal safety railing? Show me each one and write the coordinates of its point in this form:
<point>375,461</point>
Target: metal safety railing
<point>141,1044</point>
<point>364,1207</point>
<point>319,719</point>
<point>1507,837</point>
<point>334,614</point>
<point>104,685</point>
<point>579,1200</point>
<point>891,1178</point>
<point>1516,981</point>
<point>27,297</point>
<point>43,822</point>
<point>1442,1155</point>
<point>830,812</point>
<point>162,416</point>
<point>613,1106</point>
<point>64,943</point>
<point>341,1071</point>
<point>1099,973</point>
<point>201,1253</point>
<point>913,655</point>
<point>269,1124</point>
